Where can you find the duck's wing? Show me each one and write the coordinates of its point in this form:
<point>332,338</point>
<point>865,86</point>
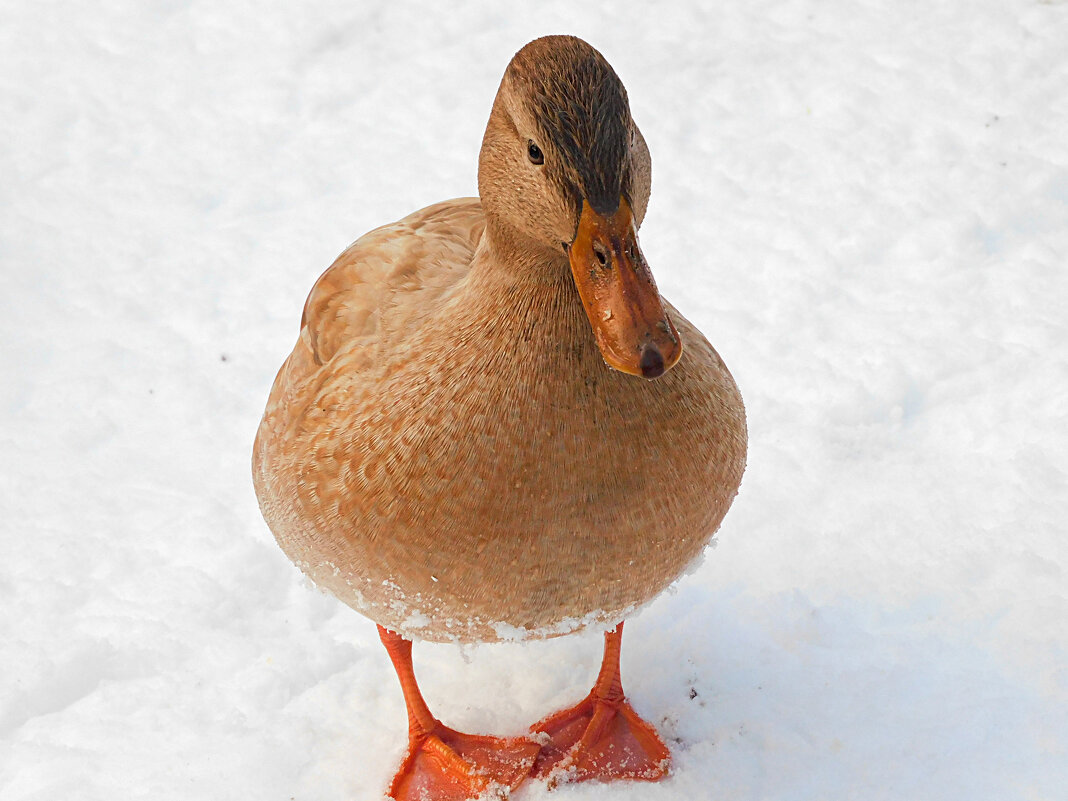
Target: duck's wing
<point>370,301</point>
<point>385,283</point>
<point>381,288</point>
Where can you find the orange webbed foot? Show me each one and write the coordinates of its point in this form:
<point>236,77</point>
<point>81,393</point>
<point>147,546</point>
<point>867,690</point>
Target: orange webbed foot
<point>601,738</point>
<point>447,765</point>
<point>443,764</point>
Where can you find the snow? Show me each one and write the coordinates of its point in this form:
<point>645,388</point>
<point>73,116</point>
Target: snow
<point>864,206</point>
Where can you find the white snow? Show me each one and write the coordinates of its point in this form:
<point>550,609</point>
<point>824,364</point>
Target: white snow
<point>865,207</point>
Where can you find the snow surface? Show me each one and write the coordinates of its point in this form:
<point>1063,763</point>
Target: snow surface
<point>863,204</point>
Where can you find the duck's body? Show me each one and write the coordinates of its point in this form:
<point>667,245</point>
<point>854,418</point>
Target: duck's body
<point>492,426</point>
<point>446,450</point>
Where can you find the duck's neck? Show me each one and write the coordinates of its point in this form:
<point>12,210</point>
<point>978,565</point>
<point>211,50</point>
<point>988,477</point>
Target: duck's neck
<point>506,254</point>
<point>531,286</point>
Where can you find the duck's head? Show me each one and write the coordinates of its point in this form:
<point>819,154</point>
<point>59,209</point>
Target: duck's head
<point>565,172</point>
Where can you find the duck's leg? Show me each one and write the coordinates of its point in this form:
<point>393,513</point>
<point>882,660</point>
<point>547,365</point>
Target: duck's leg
<point>602,736</point>
<point>444,764</point>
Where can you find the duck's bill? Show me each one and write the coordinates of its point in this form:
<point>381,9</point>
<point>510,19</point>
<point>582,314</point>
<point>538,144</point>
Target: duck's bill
<point>620,297</point>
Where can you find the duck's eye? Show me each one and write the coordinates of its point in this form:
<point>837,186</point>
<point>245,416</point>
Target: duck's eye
<point>534,153</point>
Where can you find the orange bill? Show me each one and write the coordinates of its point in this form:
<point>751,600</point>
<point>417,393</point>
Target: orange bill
<point>620,297</point>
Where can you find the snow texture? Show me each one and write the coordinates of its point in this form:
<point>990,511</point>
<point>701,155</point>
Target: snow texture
<point>864,205</point>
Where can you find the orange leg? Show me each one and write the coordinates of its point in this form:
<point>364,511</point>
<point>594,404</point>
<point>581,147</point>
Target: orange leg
<point>601,737</point>
<point>444,764</point>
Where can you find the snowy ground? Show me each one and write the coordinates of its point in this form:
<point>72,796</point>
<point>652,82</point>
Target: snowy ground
<point>865,207</point>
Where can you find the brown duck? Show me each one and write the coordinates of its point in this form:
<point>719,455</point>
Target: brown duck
<point>493,427</point>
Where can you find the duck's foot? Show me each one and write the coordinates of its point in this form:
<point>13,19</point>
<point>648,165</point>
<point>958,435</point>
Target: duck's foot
<point>602,737</point>
<point>602,740</point>
<point>443,764</point>
<point>447,765</point>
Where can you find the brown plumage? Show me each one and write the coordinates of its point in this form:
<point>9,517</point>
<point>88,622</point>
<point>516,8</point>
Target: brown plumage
<point>445,449</point>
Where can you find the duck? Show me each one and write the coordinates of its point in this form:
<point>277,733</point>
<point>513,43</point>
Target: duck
<point>493,427</point>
